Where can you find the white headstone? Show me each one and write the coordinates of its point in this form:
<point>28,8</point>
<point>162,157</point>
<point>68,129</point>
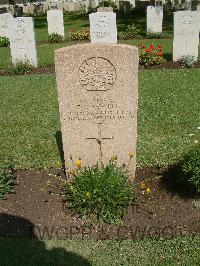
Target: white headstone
<point>132,2</point>
<point>22,40</point>
<point>186,34</point>
<point>103,27</point>
<point>4,24</point>
<point>154,19</point>
<point>55,22</point>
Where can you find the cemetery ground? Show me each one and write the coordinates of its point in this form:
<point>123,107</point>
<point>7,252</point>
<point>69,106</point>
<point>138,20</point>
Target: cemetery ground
<point>168,126</point>
<point>30,130</point>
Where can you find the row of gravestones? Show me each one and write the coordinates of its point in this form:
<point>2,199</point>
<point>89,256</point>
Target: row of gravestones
<point>186,30</point>
<point>102,30</point>
<point>68,6</point>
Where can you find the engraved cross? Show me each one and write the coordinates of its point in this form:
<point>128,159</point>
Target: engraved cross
<point>99,140</point>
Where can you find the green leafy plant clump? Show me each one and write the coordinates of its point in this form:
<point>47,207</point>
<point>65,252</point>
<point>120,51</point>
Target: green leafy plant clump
<point>55,38</point>
<point>189,170</point>
<point>21,68</point>
<point>4,41</point>
<point>99,192</point>
<point>6,179</point>
<point>187,61</point>
<point>79,35</point>
<point>131,32</point>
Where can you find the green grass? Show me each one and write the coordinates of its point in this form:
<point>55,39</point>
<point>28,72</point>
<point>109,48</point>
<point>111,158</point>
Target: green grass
<point>77,21</point>
<point>162,252</point>
<point>168,112</point>
<point>45,52</point>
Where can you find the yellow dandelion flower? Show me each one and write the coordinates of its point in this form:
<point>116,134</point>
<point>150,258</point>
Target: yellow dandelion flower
<point>148,190</point>
<point>131,155</point>
<point>88,195</point>
<point>114,158</point>
<point>142,185</point>
<point>78,163</point>
<point>72,172</point>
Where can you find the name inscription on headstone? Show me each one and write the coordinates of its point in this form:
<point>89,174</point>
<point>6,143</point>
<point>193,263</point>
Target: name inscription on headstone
<point>186,34</point>
<point>103,27</point>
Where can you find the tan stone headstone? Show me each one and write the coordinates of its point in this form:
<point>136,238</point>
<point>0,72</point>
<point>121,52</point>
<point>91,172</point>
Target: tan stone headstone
<point>98,97</point>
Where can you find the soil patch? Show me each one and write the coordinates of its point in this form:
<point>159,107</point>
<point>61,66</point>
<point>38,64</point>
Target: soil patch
<point>51,69</point>
<point>37,70</point>
<point>34,212</point>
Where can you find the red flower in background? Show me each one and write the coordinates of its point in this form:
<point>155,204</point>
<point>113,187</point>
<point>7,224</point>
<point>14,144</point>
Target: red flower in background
<point>160,53</point>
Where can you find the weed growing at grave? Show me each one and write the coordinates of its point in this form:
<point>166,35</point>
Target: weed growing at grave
<point>21,68</point>
<point>151,55</point>
<point>4,41</point>
<point>130,32</point>
<point>55,38</point>
<point>6,179</point>
<point>187,61</point>
<point>79,35</point>
<point>99,192</point>
<point>154,35</point>
<point>189,170</point>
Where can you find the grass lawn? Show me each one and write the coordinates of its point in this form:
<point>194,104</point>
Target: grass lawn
<point>45,52</point>
<point>78,21</point>
<point>177,251</point>
<point>168,112</point>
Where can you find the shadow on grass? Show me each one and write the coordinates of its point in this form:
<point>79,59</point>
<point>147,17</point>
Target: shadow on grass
<point>171,182</point>
<point>16,249</point>
<point>167,56</point>
<point>59,142</point>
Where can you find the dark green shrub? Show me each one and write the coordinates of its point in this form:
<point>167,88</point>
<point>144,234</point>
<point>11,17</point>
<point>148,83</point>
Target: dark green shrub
<point>102,193</point>
<point>21,68</point>
<point>189,170</point>
<point>4,41</point>
<point>6,179</point>
<point>55,38</point>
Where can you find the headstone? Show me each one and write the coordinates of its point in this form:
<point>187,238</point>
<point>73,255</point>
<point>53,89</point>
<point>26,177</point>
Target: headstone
<point>4,18</point>
<point>188,5</point>
<point>45,7</point>
<point>31,9</point>
<point>127,7</point>
<point>18,11</point>
<point>25,9</point>
<point>98,93</point>
<point>154,19</point>
<point>198,8</point>
<point>133,4</point>
<point>66,6</point>
<point>186,34</point>
<point>105,9</point>
<point>103,27</point>
<point>121,6</point>
<point>60,6</point>
<point>55,22</point>
<point>22,40</point>
<point>71,6</point>
<point>90,5</point>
